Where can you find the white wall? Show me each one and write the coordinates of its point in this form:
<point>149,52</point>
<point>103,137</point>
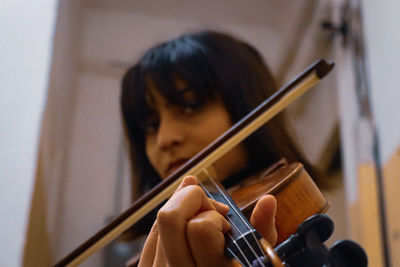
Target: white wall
<point>26,30</point>
<point>382,30</point>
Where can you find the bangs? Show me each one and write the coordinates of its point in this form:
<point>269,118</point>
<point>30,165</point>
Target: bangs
<point>180,59</point>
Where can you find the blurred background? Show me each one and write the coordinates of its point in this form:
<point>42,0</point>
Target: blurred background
<point>64,169</point>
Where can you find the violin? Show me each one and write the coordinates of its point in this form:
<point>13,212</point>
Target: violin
<point>297,196</point>
<point>293,188</point>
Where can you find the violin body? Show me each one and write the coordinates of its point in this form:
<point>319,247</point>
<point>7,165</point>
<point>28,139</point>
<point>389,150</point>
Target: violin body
<point>297,196</point>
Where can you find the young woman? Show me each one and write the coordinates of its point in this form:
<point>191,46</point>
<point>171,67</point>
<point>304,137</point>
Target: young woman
<point>179,97</point>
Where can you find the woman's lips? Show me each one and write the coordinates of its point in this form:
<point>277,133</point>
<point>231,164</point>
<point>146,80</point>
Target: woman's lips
<point>175,166</point>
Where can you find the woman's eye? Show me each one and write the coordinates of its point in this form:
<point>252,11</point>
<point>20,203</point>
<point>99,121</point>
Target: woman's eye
<point>188,110</point>
<point>191,108</point>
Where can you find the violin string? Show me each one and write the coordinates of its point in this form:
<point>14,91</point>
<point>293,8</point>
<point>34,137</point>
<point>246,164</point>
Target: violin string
<point>238,214</point>
<point>240,250</point>
<point>243,221</point>
<point>234,242</point>
<point>230,236</point>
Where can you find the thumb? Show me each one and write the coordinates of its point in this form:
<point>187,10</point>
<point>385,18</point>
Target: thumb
<point>263,218</point>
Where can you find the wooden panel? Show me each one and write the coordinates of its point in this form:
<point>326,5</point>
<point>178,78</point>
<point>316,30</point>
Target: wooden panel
<point>391,172</point>
<point>364,213</point>
<point>363,216</point>
<point>38,250</point>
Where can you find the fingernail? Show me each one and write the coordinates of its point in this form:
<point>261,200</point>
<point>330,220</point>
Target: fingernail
<point>188,180</point>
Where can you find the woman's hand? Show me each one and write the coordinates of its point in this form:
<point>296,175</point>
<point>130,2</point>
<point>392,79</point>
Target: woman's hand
<point>190,227</point>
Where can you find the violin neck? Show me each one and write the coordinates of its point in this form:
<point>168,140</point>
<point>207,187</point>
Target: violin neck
<point>242,240</point>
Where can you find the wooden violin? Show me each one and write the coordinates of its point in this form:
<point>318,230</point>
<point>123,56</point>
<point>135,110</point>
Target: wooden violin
<point>296,193</point>
<point>291,194</point>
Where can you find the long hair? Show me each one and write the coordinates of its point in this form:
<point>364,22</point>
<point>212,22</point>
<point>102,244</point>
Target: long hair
<point>213,64</point>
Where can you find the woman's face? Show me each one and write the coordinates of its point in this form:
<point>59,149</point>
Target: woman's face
<point>175,133</point>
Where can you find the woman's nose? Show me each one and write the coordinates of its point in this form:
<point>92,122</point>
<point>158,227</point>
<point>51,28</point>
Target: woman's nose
<point>169,133</point>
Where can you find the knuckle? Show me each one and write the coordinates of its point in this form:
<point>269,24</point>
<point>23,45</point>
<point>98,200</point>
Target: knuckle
<point>204,226</point>
<point>195,190</point>
<point>167,217</point>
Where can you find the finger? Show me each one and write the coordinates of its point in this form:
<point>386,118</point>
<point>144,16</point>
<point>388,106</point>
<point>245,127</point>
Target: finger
<point>150,247</point>
<point>172,219</point>
<point>192,180</point>
<point>222,208</point>
<point>205,233</point>
<point>263,218</point>
<point>188,180</point>
<point>160,259</point>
